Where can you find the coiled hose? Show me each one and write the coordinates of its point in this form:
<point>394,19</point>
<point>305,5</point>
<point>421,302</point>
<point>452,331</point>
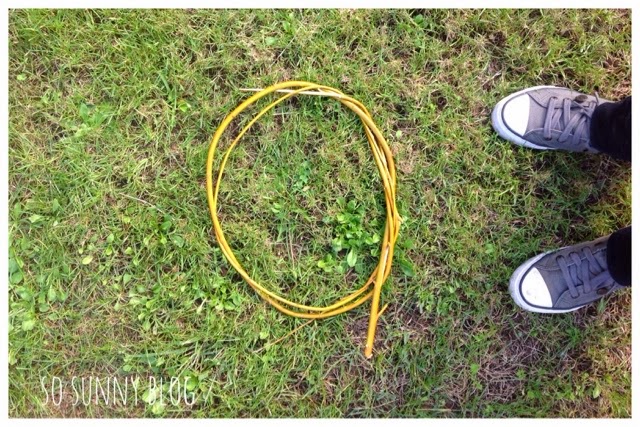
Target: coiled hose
<point>384,160</point>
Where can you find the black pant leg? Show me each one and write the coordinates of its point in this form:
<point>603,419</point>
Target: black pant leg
<point>619,256</point>
<point>611,129</point>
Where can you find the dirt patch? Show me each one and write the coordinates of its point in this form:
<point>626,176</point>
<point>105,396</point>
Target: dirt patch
<point>408,318</point>
<point>405,156</point>
<point>357,330</point>
<point>407,163</point>
<point>618,64</point>
<point>498,39</point>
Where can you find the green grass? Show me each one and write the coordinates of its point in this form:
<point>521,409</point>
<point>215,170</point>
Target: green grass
<point>114,270</point>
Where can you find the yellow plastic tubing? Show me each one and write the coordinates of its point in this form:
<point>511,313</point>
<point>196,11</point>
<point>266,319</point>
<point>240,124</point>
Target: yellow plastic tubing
<point>384,160</point>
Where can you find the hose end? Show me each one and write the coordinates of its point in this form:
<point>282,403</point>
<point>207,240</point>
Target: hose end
<point>368,351</point>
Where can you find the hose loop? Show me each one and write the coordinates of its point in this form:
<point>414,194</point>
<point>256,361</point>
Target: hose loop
<point>384,161</point>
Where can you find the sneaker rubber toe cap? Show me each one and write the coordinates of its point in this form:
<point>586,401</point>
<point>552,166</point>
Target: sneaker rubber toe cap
<point>534,290</point>
<point>515,114</point>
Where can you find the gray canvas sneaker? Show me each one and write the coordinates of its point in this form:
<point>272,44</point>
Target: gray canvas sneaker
<point>565,279</point>
<point>546,118</point>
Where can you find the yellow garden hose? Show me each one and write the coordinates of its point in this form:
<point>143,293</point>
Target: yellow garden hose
<point>384,160</point>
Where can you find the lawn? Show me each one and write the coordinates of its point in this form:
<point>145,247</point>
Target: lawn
<point>114,271</point>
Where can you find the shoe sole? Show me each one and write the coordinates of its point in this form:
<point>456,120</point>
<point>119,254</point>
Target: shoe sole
<point>503,130</point>
<point>514,288</point>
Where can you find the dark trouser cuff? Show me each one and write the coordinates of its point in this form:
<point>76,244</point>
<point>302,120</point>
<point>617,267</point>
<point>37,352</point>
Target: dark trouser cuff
<point>619,256</point>
<point>610,130</point>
